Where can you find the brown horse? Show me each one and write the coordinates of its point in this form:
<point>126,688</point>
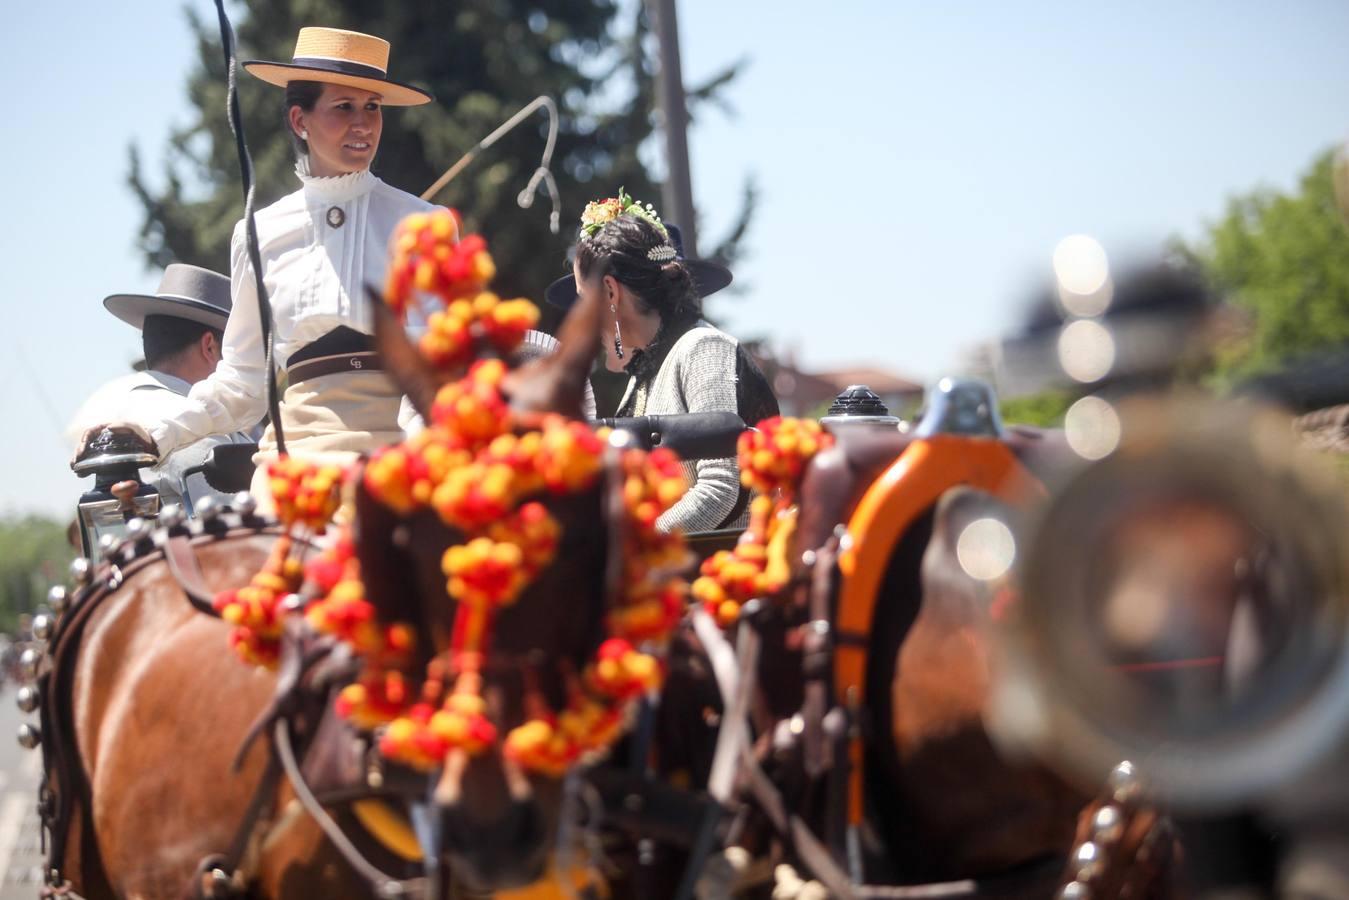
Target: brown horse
<point>939,803</point>
<point>158,707</point>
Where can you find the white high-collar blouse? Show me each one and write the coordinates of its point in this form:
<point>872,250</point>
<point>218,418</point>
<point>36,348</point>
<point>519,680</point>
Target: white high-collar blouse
<point>316,274</point>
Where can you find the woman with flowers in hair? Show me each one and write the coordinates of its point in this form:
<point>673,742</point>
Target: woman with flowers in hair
<point>654,331</point>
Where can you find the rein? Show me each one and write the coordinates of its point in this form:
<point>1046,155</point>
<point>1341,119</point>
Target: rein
<point>384,885</point>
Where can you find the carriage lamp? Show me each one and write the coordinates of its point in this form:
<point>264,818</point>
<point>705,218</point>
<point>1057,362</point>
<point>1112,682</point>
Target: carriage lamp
<point>858,406</point>
<point>114,457</point>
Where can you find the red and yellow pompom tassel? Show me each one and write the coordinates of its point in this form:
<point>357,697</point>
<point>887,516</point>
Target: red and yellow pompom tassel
<point>306,494</point>
<point>774,457</point>
<point>255,610</point>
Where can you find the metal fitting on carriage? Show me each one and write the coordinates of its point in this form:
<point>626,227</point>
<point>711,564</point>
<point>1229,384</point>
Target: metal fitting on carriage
<point>1087,862</point>
<point>43,626</point>
<point>58,599</point>
<point>29,736</point>
<point>207,509</point>
<point>1124,783</point>
<point>29,661</point>
<point>80,570</point>
<point>1107,826</point>
<point>784,739</point>
<point>27,698</point>
<point>137,528</point>
<point>836,723</point>
<point>754,611</point>
<point>245,503</point>
<point>172,516</point>
<point>106,545</point>
<point>1074,890</point>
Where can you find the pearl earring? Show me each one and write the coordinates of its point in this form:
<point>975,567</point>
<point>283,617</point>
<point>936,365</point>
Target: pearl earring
<point>304,135</point>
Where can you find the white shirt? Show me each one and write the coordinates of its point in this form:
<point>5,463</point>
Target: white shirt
<point>146,399</point>
<point>316,277</point>
<point>539,344</point>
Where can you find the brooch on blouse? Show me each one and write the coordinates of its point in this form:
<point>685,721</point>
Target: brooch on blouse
<point>336,217</point>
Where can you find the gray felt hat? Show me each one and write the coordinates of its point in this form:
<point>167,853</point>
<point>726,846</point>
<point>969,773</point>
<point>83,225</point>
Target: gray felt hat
<point>185,292</point>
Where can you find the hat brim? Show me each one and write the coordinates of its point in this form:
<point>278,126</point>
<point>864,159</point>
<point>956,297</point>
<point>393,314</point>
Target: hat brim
<point>708,278</point>
<point>133,308</point>
<point>392,93</point>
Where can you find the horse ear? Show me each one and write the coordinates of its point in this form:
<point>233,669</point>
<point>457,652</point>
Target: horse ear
<point>402,360</point>
<point>557,382</point>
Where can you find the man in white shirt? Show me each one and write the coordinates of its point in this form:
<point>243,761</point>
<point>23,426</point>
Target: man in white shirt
<point>181,330</point>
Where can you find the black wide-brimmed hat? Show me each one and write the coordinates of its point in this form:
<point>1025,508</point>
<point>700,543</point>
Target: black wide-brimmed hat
<point>340,57</point>
<point>708,277</point>
<point>185,292</point>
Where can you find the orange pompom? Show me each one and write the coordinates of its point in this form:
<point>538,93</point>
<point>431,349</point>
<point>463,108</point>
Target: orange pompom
<point>306,494</point>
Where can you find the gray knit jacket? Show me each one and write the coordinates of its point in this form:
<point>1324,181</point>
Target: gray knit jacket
<point>698,375</point>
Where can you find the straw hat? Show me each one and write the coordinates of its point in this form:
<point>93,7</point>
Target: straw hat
<point>340,57</point>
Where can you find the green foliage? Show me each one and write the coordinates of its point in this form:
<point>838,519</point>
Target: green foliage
<point>34,555</point>
<point>1285,260</point>
<point>483,60</point>
<point>1044,410</point>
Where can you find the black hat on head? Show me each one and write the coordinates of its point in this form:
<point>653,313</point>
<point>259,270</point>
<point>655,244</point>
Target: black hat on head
<point>185,292</point>
<point>708,277</point>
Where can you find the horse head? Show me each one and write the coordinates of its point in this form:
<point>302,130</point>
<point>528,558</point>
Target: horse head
<point>503,535</point>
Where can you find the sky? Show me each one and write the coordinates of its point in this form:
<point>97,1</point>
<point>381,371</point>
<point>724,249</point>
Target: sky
<point>916,161</point>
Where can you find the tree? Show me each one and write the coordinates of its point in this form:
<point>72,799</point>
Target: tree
<point>1285,259</point>
<point>483,59</point>
<point>34,554</point>
<point>1044,409</point>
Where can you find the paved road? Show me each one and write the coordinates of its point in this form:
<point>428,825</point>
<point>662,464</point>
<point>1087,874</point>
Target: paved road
<point>20,851</point>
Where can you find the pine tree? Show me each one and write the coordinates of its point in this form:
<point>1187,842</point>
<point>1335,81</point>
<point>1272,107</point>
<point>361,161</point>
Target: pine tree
<point>483,60</point>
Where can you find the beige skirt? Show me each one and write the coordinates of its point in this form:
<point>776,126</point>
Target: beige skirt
<point>331,419</point>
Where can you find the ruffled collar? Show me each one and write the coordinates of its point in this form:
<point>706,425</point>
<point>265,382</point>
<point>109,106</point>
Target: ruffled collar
<point>337,188</point>
<point>646,363</point>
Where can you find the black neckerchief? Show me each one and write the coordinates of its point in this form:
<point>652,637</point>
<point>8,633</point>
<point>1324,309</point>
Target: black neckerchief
<point>646,362</point>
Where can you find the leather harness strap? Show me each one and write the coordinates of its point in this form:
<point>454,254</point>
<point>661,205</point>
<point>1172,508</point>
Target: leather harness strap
<point>60,750</point>
<point>66,787</point>
<point>182,563</point>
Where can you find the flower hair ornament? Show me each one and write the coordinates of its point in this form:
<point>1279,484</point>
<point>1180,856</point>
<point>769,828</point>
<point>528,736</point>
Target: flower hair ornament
<point>599,213</point>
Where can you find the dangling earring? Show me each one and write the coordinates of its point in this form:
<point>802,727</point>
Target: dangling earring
<point>618,334</point>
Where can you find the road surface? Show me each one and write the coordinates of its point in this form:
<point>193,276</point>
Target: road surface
<point>20,848</point>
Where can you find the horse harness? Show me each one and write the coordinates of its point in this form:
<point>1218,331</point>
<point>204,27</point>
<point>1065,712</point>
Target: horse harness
<point>297,713</point>
<point>825,738</point>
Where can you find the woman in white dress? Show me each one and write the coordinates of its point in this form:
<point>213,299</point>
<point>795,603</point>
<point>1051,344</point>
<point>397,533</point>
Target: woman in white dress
<point>320,247</point>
